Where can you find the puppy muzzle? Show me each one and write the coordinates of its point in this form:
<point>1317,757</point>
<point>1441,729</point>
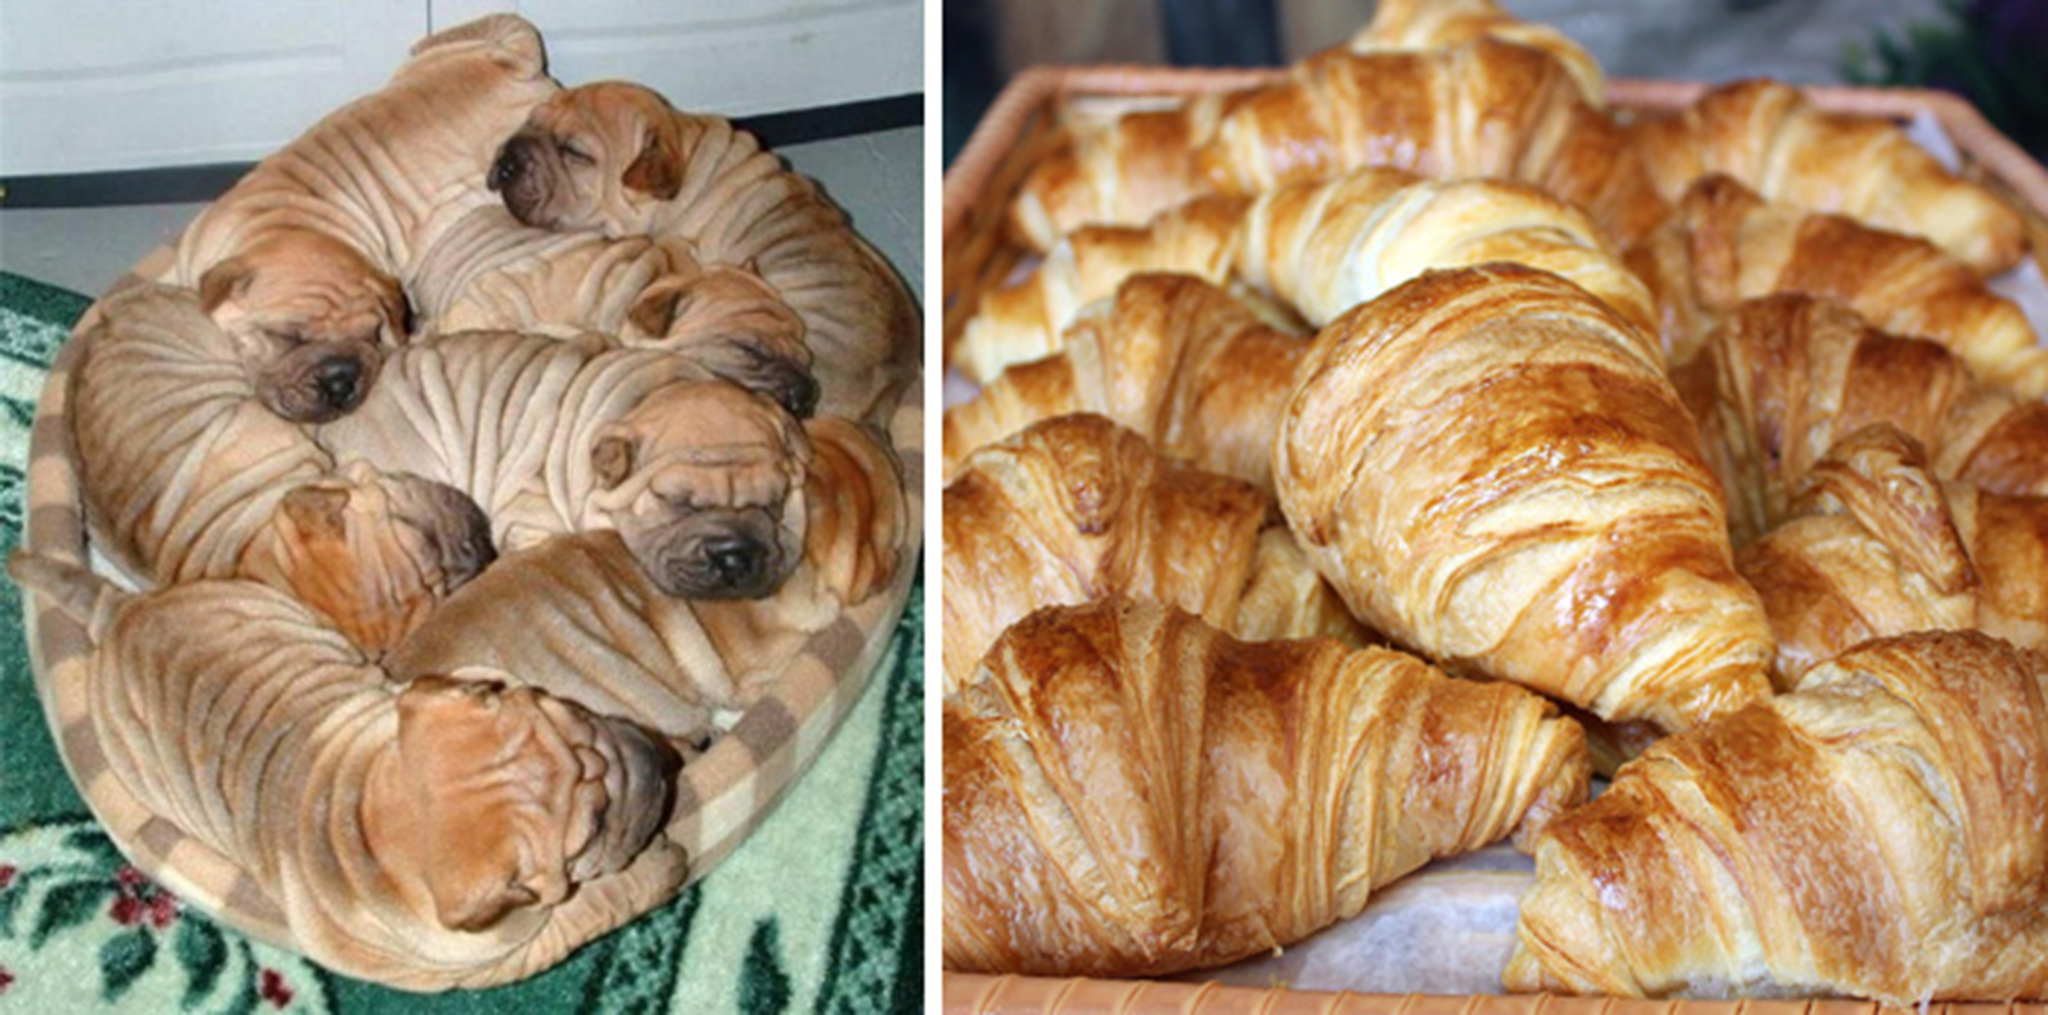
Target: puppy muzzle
<point>320,383</point>
<point>710,559</point>
<point>522,175</point>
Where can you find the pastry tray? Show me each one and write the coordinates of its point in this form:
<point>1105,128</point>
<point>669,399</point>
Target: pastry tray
<point>980,255</point>
<point>721,797</point>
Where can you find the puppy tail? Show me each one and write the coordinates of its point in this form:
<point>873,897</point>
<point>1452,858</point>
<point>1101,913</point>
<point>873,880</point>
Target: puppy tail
<point>83,595</point>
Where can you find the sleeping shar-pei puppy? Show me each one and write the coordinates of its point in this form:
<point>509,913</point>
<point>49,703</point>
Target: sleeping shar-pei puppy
<point>578,616</point>
<point>302,259</point>
<point>188,474</point>
<point>615,158</point>
<point>488,271</point>
<point>443,832</point>
<point>701,478</point>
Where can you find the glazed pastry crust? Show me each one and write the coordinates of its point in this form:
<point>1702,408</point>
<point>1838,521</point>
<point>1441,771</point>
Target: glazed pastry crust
<point>1881,833</point>
<point>1492,468</point>
<point>1076,508</point>
<point>1130,792</point>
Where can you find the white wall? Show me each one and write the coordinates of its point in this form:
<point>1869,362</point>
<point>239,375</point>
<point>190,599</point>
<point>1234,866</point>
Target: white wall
<point>128,84</point>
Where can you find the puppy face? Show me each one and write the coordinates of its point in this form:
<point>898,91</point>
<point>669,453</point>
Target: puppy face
<point>311,318</point>
<point>704,483</point>
<point>593,157</point>
<point>502,799</point>
<point>371,552</point>
<point>733,323</point>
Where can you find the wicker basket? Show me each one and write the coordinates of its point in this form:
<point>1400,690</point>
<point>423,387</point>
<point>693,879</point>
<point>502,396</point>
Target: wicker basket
<point>981,255</point>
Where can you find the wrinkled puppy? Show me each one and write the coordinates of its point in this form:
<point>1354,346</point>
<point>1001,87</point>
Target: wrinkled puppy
<point>302,259</point>
<point>701,478</point>
<point>615,158</point>
<point>427,834</point>
<point>579,617</point>
<point>186,474</point>
<point>488,271</point>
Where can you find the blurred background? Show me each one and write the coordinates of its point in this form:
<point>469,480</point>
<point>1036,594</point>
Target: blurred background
<point>1995,52</point>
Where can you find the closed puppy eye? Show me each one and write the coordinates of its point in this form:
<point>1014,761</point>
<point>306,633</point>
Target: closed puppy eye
<point>574,154</point>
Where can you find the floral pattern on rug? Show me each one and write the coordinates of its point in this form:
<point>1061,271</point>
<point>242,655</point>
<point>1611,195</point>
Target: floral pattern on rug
<point>81,930</point>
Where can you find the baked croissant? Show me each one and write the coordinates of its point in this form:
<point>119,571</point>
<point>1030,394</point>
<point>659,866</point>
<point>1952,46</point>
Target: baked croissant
<point>1327,247</point>
<point>1076,508</point>
<point>1485,108</point>
<point>1440,24</point>
<point>1492,469</point>
<point>1787,376</point>
<point>1322,247</point>
<point>1997,441</point>
<point>1724,244</point>
<point>1880,833</point>
<point>1130,792</point>
<point>1767,135</point>
<point>1023,322</point>
<point>1871,551</point>
<point>1172,358</point>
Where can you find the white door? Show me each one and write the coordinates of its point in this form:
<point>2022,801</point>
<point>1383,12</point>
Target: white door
<point>128,84</point>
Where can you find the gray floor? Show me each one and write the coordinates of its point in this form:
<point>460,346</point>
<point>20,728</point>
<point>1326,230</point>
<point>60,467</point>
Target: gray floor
<point>878,178</point>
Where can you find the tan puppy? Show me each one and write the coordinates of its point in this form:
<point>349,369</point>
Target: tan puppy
<point>488,271</point>
<point>579,617</point>
<point>701,478</point>
<point>186,475</point>
<point>436,829</point>
<point>301,259</point>
<point>616,158</point>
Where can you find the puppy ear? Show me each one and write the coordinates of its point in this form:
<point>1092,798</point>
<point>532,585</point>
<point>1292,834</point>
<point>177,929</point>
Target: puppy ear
<point>656,308</point>
<point>658,169</point>
<point>393,307</point>
<point>612,460</point>
<point>228,280</point>
<point>479,909</point>
<point>317,511</point>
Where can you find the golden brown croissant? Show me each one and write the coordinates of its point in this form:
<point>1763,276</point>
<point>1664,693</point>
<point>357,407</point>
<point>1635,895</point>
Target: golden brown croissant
<point>1485,108</point>
<point>1871,551</point>
<point>1786,376</point>
<point>1076,508</point>
<point>1724,244</point>
<point>1322,247</point>
<point>1023,322</point>
<point>1327,247</point>
<point>1765,134</point>
<point>1881,833</point>
<point>1122,173</point>
<point>1131,792</point>
<point>1492,468</point>
<point>1172,358</point>
<point>1996,440</point>
<point>1440,24</point>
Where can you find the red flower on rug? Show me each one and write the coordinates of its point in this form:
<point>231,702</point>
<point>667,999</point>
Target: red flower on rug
<point>7,872</point>
<point>140,900</point>
<point>272,986</point>
<point>6,980</point>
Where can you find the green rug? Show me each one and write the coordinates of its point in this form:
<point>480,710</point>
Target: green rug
<point>819,912</point>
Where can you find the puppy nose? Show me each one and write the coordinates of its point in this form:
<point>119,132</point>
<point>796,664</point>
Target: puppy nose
<point>800,395</point>
<point>732,558</point>
<point>511,159</point>
<point>337,378</point>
